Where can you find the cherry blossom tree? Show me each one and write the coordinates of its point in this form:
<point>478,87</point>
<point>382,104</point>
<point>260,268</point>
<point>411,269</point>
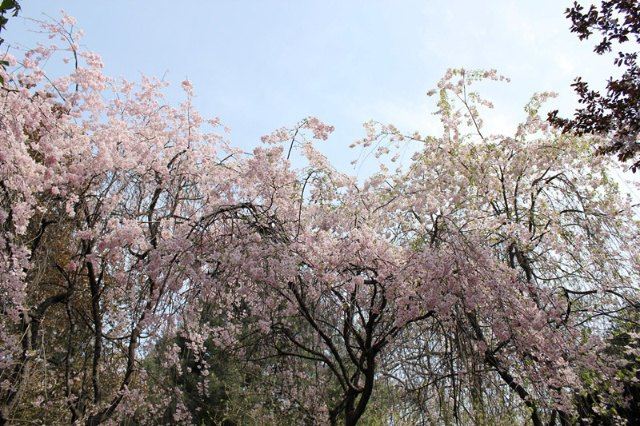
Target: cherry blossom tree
<point>549,237</point>
<point>102,201</point>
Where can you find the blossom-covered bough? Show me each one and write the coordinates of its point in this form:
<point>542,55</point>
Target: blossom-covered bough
<point>487,269</point>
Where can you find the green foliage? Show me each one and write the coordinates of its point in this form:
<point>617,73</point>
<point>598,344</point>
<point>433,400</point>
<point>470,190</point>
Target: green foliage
<point>7,7</point>
<point>598,404</point>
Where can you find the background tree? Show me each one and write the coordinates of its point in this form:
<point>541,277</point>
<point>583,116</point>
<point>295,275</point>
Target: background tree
<point>614,113</point>
<point>598,403</point>
<point>7,7</point>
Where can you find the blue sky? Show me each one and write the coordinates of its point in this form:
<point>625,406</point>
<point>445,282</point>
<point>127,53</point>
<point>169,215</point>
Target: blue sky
<point>263,64</point>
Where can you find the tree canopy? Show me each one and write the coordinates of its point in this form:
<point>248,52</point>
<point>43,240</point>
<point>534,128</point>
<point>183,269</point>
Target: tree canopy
<point>151,272</point>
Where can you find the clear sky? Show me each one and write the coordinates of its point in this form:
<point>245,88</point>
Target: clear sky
<point>263,64</point>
